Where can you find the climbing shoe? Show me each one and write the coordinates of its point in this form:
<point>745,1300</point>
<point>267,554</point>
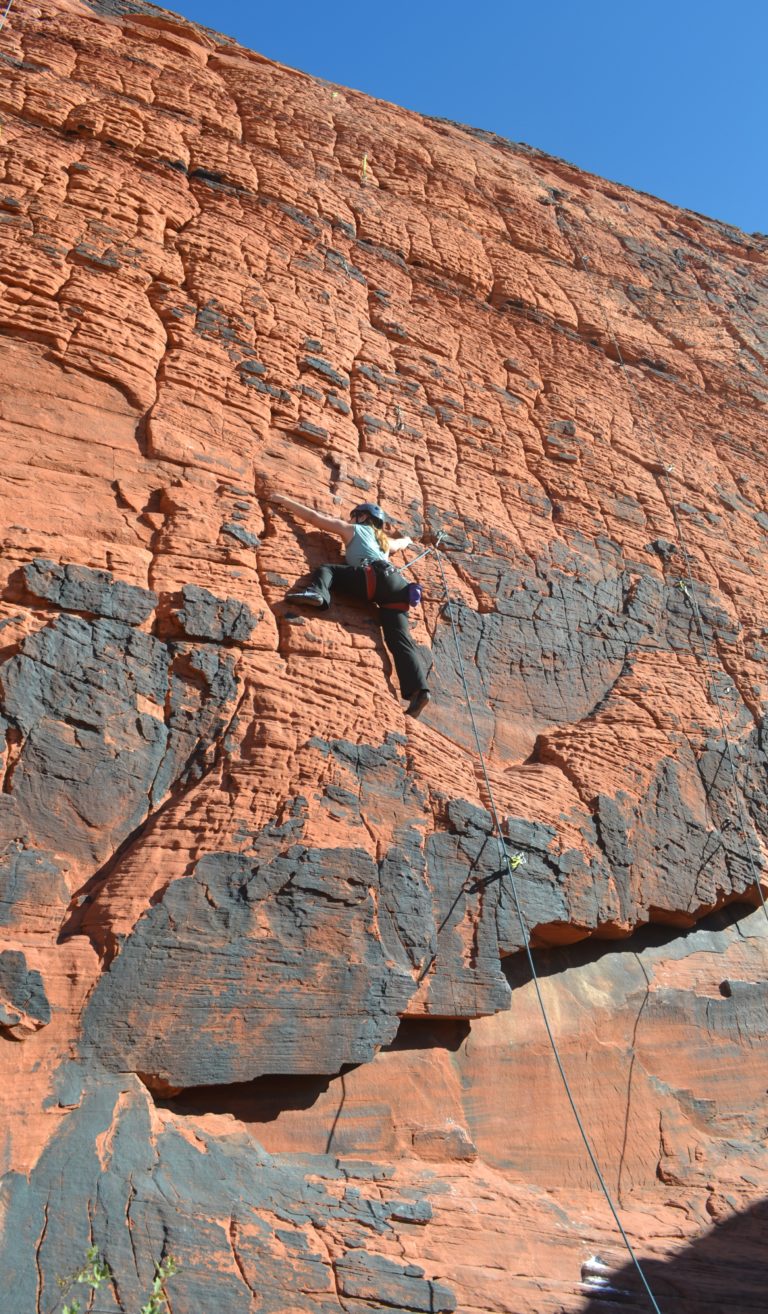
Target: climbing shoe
<point>418,703</point>
<point>306,598</point>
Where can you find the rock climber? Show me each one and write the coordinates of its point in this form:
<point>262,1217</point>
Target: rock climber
<point>369,576</point>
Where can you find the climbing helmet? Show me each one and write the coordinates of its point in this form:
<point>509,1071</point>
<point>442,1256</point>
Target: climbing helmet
<point>372,511</point>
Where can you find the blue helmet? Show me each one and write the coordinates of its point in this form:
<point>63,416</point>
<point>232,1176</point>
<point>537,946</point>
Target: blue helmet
<point>371,510</point>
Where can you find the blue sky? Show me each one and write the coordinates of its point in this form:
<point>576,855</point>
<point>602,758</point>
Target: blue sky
<point>669,98</point>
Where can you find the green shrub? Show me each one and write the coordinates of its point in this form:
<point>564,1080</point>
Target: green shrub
<point>96,1271</point>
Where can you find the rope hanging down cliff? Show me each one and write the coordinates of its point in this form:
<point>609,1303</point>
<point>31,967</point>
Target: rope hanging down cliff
<point>509,864</point>
<point>688,584</point>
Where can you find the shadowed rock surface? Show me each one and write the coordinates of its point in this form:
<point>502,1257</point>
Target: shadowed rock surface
<point>262,1000</point>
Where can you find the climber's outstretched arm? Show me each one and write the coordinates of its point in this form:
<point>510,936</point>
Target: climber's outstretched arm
<point>397,544</point>
<point>331,524</point>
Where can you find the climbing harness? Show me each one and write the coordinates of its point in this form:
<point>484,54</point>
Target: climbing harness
<point>510,862</point>
<point>372,573</point>
<point>686,584</point>
<point>415,591</point>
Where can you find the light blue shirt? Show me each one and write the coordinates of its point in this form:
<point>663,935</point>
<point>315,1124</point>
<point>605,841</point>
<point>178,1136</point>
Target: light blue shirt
<point>362,548</point>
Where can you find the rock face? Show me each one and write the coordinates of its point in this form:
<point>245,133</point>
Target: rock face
<point>263,1005</point>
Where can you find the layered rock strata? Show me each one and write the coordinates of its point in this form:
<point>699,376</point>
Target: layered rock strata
<point>262,999</point>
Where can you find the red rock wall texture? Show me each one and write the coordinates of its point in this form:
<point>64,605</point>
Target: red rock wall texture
<point>262,1002</point>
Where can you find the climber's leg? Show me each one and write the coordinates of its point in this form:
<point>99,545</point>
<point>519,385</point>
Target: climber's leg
<point>405,655</point>
<point>346,580</point>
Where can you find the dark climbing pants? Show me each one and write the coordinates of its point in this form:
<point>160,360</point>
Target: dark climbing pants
<point>350,581</point>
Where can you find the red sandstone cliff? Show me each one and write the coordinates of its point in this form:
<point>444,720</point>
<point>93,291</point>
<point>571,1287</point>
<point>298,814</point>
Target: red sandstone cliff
<point>262,1002</point>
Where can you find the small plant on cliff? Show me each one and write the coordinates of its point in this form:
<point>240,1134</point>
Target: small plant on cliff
<point>164,1270</point>
<point>96,1271</point>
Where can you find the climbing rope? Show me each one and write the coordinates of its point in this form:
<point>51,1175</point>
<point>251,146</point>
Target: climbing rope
<point>5,14</point>
<point>687,585</point>
<point>510,863</point>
